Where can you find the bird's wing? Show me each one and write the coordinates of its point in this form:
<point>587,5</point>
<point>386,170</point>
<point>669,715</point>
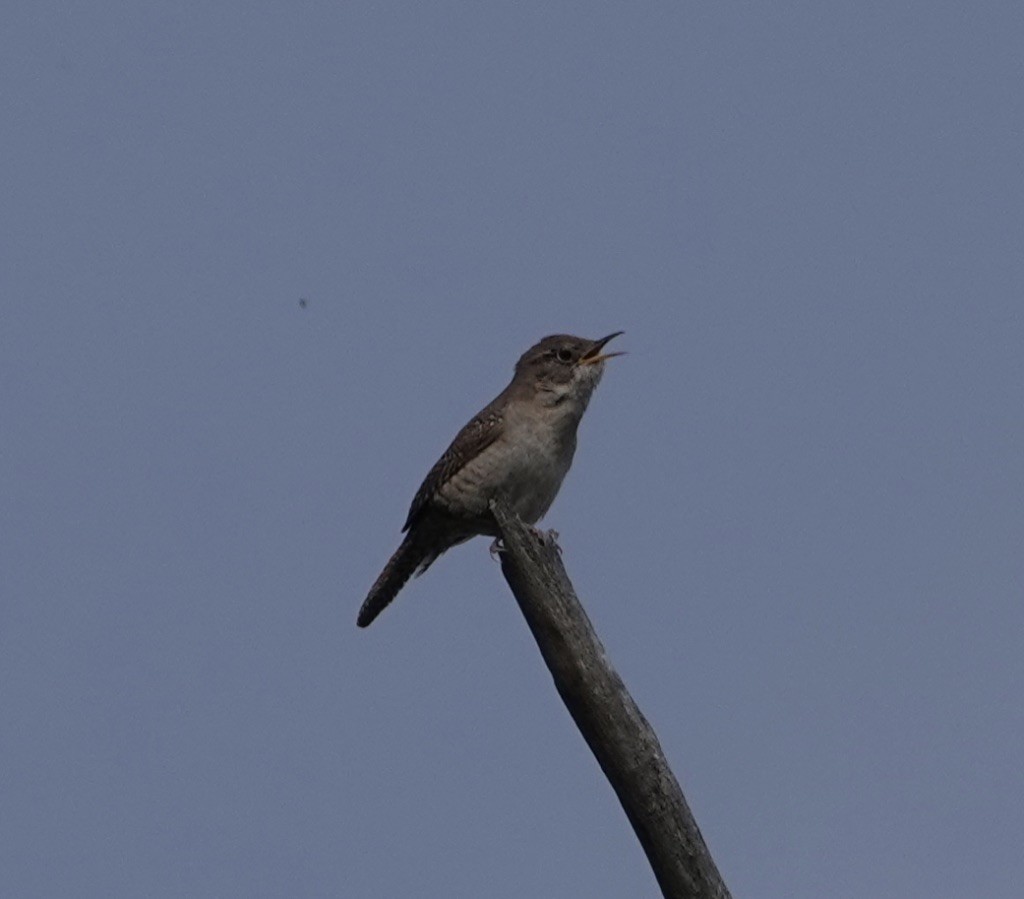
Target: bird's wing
<point>481,431</point>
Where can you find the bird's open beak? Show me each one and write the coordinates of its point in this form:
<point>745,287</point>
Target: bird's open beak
<point>594,354</point>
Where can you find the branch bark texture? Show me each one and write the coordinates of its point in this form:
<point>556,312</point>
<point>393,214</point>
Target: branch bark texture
<point>621,739</point>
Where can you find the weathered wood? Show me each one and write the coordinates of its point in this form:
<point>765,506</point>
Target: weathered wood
<point>621,739</point>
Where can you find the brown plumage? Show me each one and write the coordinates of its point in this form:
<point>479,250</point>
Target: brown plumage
<point>518,447</point>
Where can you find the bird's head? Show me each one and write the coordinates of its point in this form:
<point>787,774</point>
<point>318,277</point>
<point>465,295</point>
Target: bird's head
<point>563,367</point>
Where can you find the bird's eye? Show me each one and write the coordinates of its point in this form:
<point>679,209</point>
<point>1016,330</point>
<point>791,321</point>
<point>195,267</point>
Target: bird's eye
<point>564,355</point>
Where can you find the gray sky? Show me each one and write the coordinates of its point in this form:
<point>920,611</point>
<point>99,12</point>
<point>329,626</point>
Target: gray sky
<point>796,512</point>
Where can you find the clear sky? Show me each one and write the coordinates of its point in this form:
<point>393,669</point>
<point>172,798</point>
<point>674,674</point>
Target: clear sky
<point>796,515</point>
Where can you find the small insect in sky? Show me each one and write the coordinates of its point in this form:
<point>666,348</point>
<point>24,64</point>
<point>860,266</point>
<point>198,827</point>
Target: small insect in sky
<point>303,303</point>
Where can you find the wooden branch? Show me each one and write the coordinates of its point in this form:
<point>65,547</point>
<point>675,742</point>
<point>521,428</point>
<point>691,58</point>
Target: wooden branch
<point>624,744</point>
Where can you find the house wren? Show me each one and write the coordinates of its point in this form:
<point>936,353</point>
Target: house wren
<point>518,448</point>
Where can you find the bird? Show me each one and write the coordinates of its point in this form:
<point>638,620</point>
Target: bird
<point>517,449</point>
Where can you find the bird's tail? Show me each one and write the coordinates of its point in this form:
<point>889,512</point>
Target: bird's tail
<point>412,557</point>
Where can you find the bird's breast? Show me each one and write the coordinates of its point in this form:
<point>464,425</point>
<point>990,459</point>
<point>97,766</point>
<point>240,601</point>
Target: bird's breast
<point>539,452</point>
<point>525,466</point>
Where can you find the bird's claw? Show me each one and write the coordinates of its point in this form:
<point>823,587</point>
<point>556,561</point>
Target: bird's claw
<point>544,538</point>
<point>547,538</point>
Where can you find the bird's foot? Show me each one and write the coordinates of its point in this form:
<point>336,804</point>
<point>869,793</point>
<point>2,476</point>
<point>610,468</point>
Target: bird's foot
<point>496,548</point>
<point>547,538</point>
